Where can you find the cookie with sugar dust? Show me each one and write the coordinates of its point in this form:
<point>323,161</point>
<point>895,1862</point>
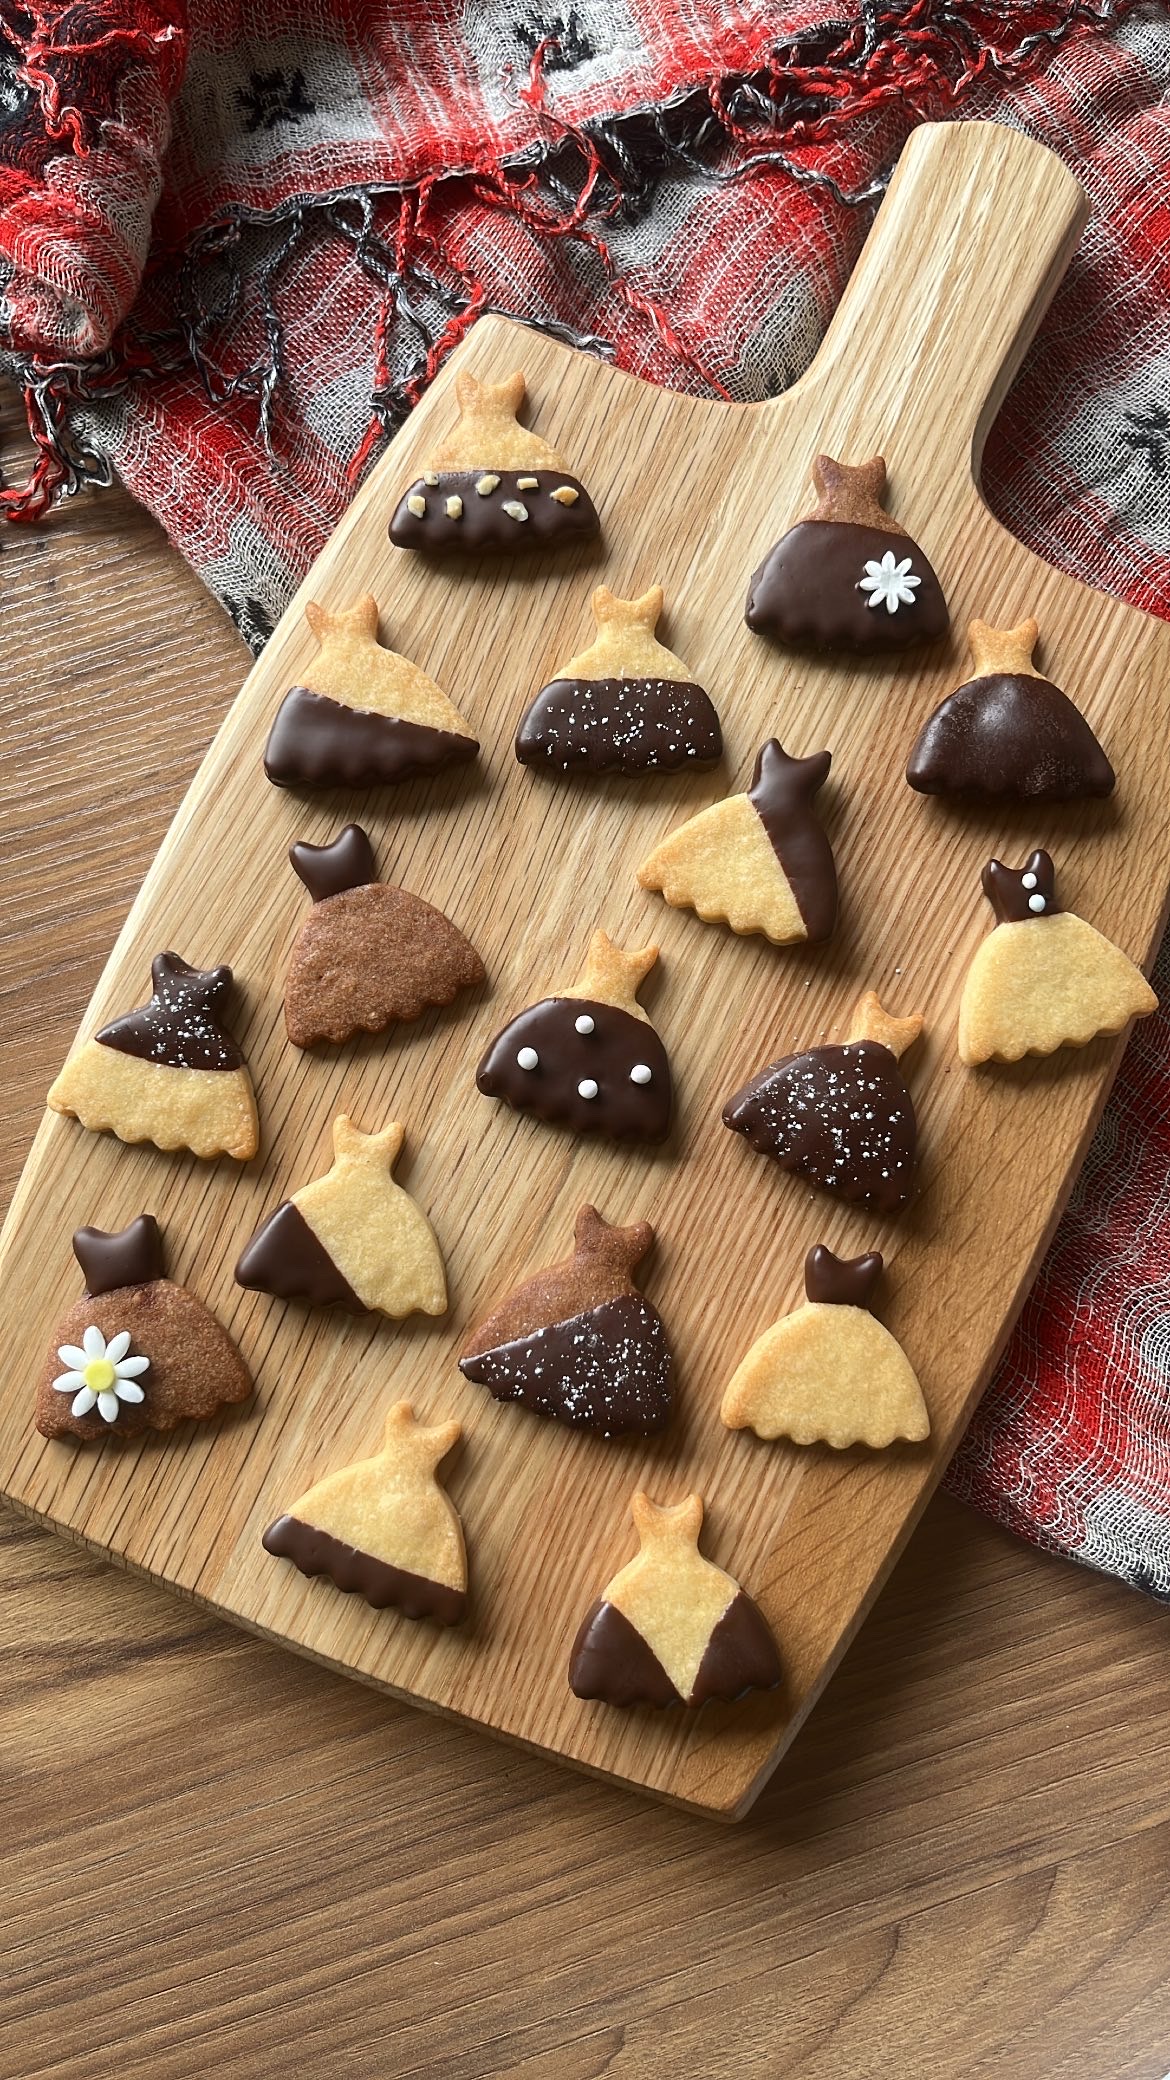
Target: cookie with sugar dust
<point>672,1628</point>
<point>493,485</point>
<point>169,1073</point>
<point>363,716</point>
<point>137,1352</point>
<point>1043,979</point>
<point>626,704</point>
<point>384,1528</point>
<point>368,955</point>
<point>578,1341</point>
<point>1007,732</point>
<point>352,1239</point>
<point>829,1372</point>
<point>847,577</point>
<point>760,861</point>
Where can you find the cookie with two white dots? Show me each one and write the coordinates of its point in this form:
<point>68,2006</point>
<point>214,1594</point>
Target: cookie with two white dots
<point>588,1059</point>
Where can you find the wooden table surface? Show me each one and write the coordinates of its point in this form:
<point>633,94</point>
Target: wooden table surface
<point>221,1860</point>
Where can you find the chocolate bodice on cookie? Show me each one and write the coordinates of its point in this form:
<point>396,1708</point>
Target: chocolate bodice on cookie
<point>578,1342</point>
<point>139,1352</point>
<point>364,716</point>
<point>367,956</point>
<point>671,1628</point>
<point>841,1115</point>
<point>589,1060</point>
<point>180,1026</point>
<point>624,705</point>
<point>1007,732</point>
<point>848,577</point>
<point>492,485</point>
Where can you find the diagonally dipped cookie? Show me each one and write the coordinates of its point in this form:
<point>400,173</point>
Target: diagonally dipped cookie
<point>492,484</point>
<point>671,1627</point>
<point>351,1239</point>
<point>588,1059</point>
<point>367,955</point>
<point>624,705</point>
<point>830,1372</point>
<point>842,1115</point>
<point>169,1072</point>
<point>578,1341</point>
<point>760,861</point>
<point>1007,732</point>
<point>136,1352</point>
<point>1044,978</point>
<point>364,717</point>
<point>383,1528</point>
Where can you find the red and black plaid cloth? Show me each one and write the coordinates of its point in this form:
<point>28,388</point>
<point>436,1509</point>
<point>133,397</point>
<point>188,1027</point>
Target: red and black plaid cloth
<point>235,244</point>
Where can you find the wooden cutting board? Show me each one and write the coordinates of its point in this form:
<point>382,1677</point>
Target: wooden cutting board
<point>976,230</point>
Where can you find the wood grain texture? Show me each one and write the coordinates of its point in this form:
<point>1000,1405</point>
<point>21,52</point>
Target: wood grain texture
<point>975,233</point>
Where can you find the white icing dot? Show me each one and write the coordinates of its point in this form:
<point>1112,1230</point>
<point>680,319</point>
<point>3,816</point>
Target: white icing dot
<point>527,1058</point>
<point>1027,881</point>
<point>640,1073</point>
<point>584,1024</point>
<point>587,1088</point>
<point>1037,903</point>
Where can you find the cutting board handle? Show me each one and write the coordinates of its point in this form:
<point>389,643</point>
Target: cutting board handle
<point>966,252</point>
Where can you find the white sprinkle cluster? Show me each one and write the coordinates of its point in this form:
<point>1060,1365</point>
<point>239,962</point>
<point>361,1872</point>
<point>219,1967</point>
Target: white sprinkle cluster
<point>839,1114</point>
<point>652,719</point>
<point>615,1375</point>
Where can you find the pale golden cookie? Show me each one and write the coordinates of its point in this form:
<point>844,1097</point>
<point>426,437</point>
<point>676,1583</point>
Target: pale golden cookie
<point>492,484</point>
<point>829,1373</point>
<point>671,1627</point>
<point>169,1073</point>
<point>352,1238</point>
<point>383,1528</point>
<point>1044,978</point>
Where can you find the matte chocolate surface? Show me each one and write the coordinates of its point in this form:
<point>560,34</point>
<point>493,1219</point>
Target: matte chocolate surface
<point>483,522</point>
<point>318,742</point>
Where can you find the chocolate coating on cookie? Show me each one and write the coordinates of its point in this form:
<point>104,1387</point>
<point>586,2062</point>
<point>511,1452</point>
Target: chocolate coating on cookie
<point>741,1655</point>
<point>841,1281</point>
<point>840,1116</point>
<point>318,742</point>
<point>620,725</point>
<point>611,1662</point>
<point>285,1258</point>
<point>583,1064</point>
<point>1016,894</point>
<point>327,870</point>
<point>781,794</point>
<point>130,1256</point>
<point>483,511</point>
<point>1011,736</point>
<point>381,1585</point>
<point>180,1026</point>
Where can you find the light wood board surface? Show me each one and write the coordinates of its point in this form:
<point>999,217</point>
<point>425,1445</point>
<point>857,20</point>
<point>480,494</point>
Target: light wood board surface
<point>976,231</point>
<point>960,1870</point>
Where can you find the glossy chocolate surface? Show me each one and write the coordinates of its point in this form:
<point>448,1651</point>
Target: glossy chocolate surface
<point>840,1116</point>
<point>1019,893</point>
<point>807,590</point>
<point>180,1026</point>
<point>482,524</point>
<point>611,1662</point>
<point>1011,736</point>
<point>741,1655</point>
<point>131,1256</point>
<point>284,1258</point>
<point>781,794</point>
<point>608,1369</point>
<point>358,1574</point>
<point>326,870</point>
<point>318,742</point>
<point>841,1281</point>
<point>619,1042</point>
<point>619,726</point>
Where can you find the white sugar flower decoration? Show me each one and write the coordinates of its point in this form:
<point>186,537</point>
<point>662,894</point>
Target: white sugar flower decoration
<point>100,1375</point>
<point>889,583</point>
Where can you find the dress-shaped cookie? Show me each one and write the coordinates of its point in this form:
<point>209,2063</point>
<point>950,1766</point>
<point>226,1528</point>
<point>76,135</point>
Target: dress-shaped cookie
<point>383,1528</point>
<point>840,1116</point>
<point>367,955</point>
<point>1007,732</point>
<point>352,1238</point>
<point>364,717</point>
<point>578,1341</point>
<point>137,1352</point>
<point>759,861</point>
<point>625,705</point>
<point>169,1072</point>
<point>1043,979</point>
<point>848,577</point>
<point>492,484</point>
<point>589,1059</point>
<point>829,1373</point>
<point>671,1627</point>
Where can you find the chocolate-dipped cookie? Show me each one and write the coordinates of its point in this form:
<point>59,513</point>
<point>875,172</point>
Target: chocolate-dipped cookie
<point>367,955</point>
<point>672,1628</point>
<point>169,1072</point>
<point>624,705</point>
<point>363,716</point>
<point>351,1239</point>
<point>383,1528</point>
<point>760,861</point>
<point>829,1372</point>
<point>1008,733</point>
<point>578,1341</point>
<point>848,577</point>
<point>492,485</point>
<point>840,1116</point>
<point>1044,978</point>
<point>588,1059</point>
<point>139,1352</point>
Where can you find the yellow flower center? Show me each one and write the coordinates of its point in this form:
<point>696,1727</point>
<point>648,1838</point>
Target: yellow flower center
<point>99,1375</point>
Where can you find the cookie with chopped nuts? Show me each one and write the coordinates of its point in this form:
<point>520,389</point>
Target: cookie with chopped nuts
<point>492,484</point>
<point>626,704</point>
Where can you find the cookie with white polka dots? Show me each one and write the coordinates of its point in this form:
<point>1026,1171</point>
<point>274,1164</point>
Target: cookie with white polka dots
<point>578,1341</point>
<point>1044,978</point>
<point>588,1059</point>
<point>492,485</point>
<point>626,704</point>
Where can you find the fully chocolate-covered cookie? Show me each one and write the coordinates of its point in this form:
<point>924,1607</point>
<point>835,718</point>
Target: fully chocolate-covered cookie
<point>1008,733</point>
<point>624,705</point>
<point>492,485</point>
